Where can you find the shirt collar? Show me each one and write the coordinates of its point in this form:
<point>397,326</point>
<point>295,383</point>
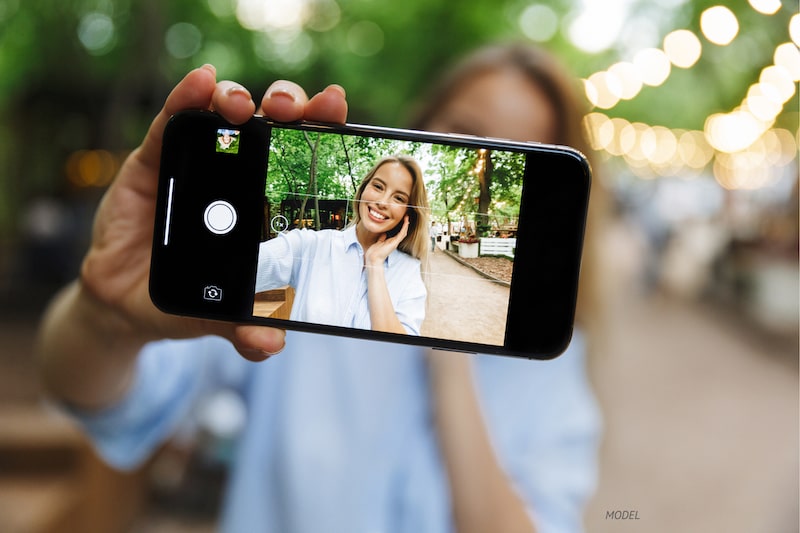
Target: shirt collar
<point>350,240</point>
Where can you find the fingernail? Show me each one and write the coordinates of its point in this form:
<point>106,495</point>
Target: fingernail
<point>283,93</point>
<point>211,68</point>
<point>337,87</point>
<point>238,89</point>
<point>257,355</point>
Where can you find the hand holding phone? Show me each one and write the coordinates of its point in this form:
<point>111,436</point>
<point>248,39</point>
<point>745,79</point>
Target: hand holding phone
<point>115,273</point>
<point>219,213</point>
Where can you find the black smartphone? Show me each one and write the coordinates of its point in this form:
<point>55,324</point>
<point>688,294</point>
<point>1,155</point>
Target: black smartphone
<point>268,223</point>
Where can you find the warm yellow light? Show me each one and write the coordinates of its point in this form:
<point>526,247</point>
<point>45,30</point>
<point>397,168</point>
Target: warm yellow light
<point>780,146</point>
<point>766,7</point>
<point>787,56</point>
<point>647,143</point>
<point>617,125</point>
<point>605,134</point>
<point>694,150</point>
<point>794,28</point>
<point>653,66</point>
<point>666,145</point>
<point>745,170</point>
<point>732,132</point>
<point>780,79</point>
<point>591,92</point>
<point>628,76</point>
<point>627,141</point>
<point>608,89</point>
<point>683,48</point>
<point>91,168</point>
<point>719,25</point>
<point>763,102</point>
<point>633,134</point>
<point>591,126</point>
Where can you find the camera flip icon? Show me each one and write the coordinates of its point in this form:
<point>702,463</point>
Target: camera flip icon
<point>212,293</point>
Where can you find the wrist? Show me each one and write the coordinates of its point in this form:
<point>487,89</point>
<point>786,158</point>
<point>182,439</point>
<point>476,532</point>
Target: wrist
<point>105,319</point>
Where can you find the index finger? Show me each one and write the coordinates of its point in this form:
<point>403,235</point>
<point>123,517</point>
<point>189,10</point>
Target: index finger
<point>286,101</point>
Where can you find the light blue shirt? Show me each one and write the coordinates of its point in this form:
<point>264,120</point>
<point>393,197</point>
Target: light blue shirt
<point>339,435</point>
<point>326,268</point>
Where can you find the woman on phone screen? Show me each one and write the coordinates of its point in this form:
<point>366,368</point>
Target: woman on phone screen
<point>368,275</point>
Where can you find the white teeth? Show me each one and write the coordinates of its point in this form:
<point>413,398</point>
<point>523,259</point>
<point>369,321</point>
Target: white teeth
<point>377,215</point>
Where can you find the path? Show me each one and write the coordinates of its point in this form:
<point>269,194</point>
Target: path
<point>462,304</point>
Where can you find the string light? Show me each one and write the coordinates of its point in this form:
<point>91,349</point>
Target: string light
<point>738,144</point>
<point>719,25</point>
<point>766,7</point>
<point>683,48</point>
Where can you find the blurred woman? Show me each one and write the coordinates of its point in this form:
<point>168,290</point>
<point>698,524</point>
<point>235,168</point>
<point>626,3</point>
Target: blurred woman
<point>342,435</point>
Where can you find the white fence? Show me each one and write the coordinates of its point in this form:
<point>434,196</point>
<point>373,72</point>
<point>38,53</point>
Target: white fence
<point>498,246</point>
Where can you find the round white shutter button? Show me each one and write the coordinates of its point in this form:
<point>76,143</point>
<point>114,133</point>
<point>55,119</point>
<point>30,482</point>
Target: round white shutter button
<point>220,217</point>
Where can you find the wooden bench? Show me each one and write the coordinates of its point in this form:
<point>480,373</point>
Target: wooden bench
<point>274,303</point>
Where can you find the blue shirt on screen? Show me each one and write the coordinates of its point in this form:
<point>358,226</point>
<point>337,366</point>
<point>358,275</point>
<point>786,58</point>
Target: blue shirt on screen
<point>326,268</point>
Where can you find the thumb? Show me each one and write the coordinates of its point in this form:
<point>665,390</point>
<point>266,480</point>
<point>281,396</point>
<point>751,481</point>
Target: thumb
<point>257,343</point>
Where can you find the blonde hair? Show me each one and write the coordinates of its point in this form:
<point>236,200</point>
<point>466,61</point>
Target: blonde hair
<point>416,243</point>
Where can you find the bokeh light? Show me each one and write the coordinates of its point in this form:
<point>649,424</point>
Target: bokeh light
<point>653,66</point>
<point>787,56</point>
<point>325,16</point>
<point>597,26</point>
<point>538,22</point>
<point>719,25</point>
<point>365,38</point>
<point>683,48</point>
<point>628,77</point>
<point>96,33</point>
<point>183,40</point>
<point>604,91</point>
<point>733,132</point>
<point>272,15</point>
<point>780,81</point>
<point>91,168</point>
<point>766,7</point>
<point>794,29</point>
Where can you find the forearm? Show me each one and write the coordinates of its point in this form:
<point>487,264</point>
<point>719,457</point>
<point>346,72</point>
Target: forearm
<point>483,498</point>
<point>381,311</point>
<point>85,352</point>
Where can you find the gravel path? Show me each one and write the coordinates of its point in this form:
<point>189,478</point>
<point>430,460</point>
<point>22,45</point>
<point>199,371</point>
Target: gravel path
<point>462,304</point>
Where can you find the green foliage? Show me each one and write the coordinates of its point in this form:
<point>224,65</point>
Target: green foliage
<point>90,74</point>
<point>306,167</point>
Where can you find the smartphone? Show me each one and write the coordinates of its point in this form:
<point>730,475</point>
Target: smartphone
<point>267,223</point>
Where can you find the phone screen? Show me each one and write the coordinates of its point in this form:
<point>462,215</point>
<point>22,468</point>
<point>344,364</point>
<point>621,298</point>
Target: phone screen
<point>276,224</point>
<point>323,189</point>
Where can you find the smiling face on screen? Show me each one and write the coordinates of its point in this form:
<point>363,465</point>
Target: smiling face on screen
<point>384,201</point>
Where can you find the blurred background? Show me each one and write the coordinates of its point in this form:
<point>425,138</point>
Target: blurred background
<point>692,108</point>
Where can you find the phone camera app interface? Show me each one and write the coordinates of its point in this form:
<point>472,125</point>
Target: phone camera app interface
<point>439,217</point>
<point>212,293</point>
